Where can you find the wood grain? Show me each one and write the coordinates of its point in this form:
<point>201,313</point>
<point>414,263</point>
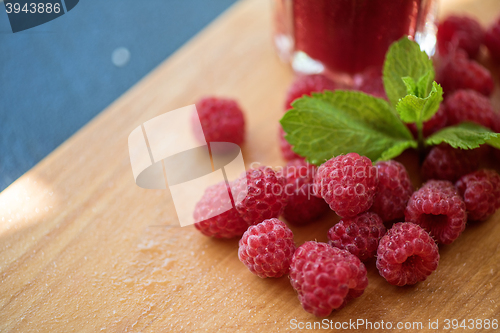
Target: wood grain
<point>82,248</point>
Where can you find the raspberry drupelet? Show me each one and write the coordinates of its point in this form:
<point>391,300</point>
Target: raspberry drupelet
<point>481,193</point>
<point>438,208</point>
<point>267,248</point>
<point>394,190</point>
<point>348,183</point>
<point>303,206</point>
<point>359,235</point>
<point>326,277</point>
<point>265,196</point>
<point>406,254</point>
<point>221,120</point>
<point>447,163</point>
<point>213,221</point>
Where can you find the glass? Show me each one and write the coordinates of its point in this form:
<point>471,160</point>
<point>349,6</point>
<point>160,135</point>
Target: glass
<point>343,38</point>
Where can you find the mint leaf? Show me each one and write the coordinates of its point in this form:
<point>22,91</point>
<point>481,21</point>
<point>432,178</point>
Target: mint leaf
<point>465,136</point>
<point>333,123</point>
<point>414,109</point>
<point>405,59</point>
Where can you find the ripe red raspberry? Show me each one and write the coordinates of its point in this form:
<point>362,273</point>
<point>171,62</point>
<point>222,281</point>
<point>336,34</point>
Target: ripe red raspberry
<point>458,72</point>
<point>265,198</point>
<point>438,121</point>
<point>325,277</point>
<point>305,85</point>
<point>460,32</point>
<point>447,163</point>
<point>347,183</point>
<point>213,220</point>
<point>221,120</point>
<point>469,105</point>
<point>438,208</point>
<point>303,206</point>
<point>267,248</point>
<point>359,235</point>
<point>481,193</point>
<point>286,148</point>
<point>406,254</point>
<point>394,190</point>
<point>370,82</point>
<point>492,40</point>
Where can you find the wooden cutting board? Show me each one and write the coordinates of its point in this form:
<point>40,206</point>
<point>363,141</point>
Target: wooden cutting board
<point>82,248</point>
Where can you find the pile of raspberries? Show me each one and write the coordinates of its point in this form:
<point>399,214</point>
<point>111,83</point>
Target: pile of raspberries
<point>372,200</point>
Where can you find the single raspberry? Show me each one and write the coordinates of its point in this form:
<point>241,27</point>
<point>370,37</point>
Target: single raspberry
<point>492,40</point>
<point>447,163</point>
<point>438,208</point>
<point>460,32</point>
<point>267,248</point>
<point>438,121</point>
<point>394,190</point>
<point>265,196</point>
<point>469,105</point>
<point>370,82</point>
<point>481,193</point>
<point>303,206</point>
<point>286,148</point>
<point>406,254</point>
<point>347,183</point>
<point>325,277</point>
<point>221,120</point>
<point>305,85</point>
<point>359,235</point>
<point>213,218</point>
<point>458,72</point>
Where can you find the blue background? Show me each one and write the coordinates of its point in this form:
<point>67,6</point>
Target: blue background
<point>57,76</point>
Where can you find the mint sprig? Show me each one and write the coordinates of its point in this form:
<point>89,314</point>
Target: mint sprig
<point>332,123</point>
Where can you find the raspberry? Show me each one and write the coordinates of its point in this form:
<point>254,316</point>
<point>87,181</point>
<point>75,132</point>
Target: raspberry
<point>394,191</point>
<point>438,208</point>
<point>305,85</point>
<point>302,207</point>
<point>460,32</point>
<point>438,121</point>
<point>347,183</point>
<point>359,235</point>
<point>406,254</point>
<point>469,105</point>
<point>370,82</point>
<point>286,148</point>
<point>265,198</point>
<point>225,224</point>
<point>481,193</point>
<point>267,248</point>
<point>447,163</point>
<point>221,120</point>
<point>326,277</point>
<point>492,40</point>
<point>458,72</point>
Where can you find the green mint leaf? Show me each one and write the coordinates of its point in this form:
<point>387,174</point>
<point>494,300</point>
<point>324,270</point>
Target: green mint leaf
<point>411,86</point>
<point>425,84</point>
<point>465,136</point>
<point>333,123</point>
<point>414,109</point>
<point>405,59</point>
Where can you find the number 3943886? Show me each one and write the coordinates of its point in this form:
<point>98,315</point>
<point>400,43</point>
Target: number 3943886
<point>33,8</point>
